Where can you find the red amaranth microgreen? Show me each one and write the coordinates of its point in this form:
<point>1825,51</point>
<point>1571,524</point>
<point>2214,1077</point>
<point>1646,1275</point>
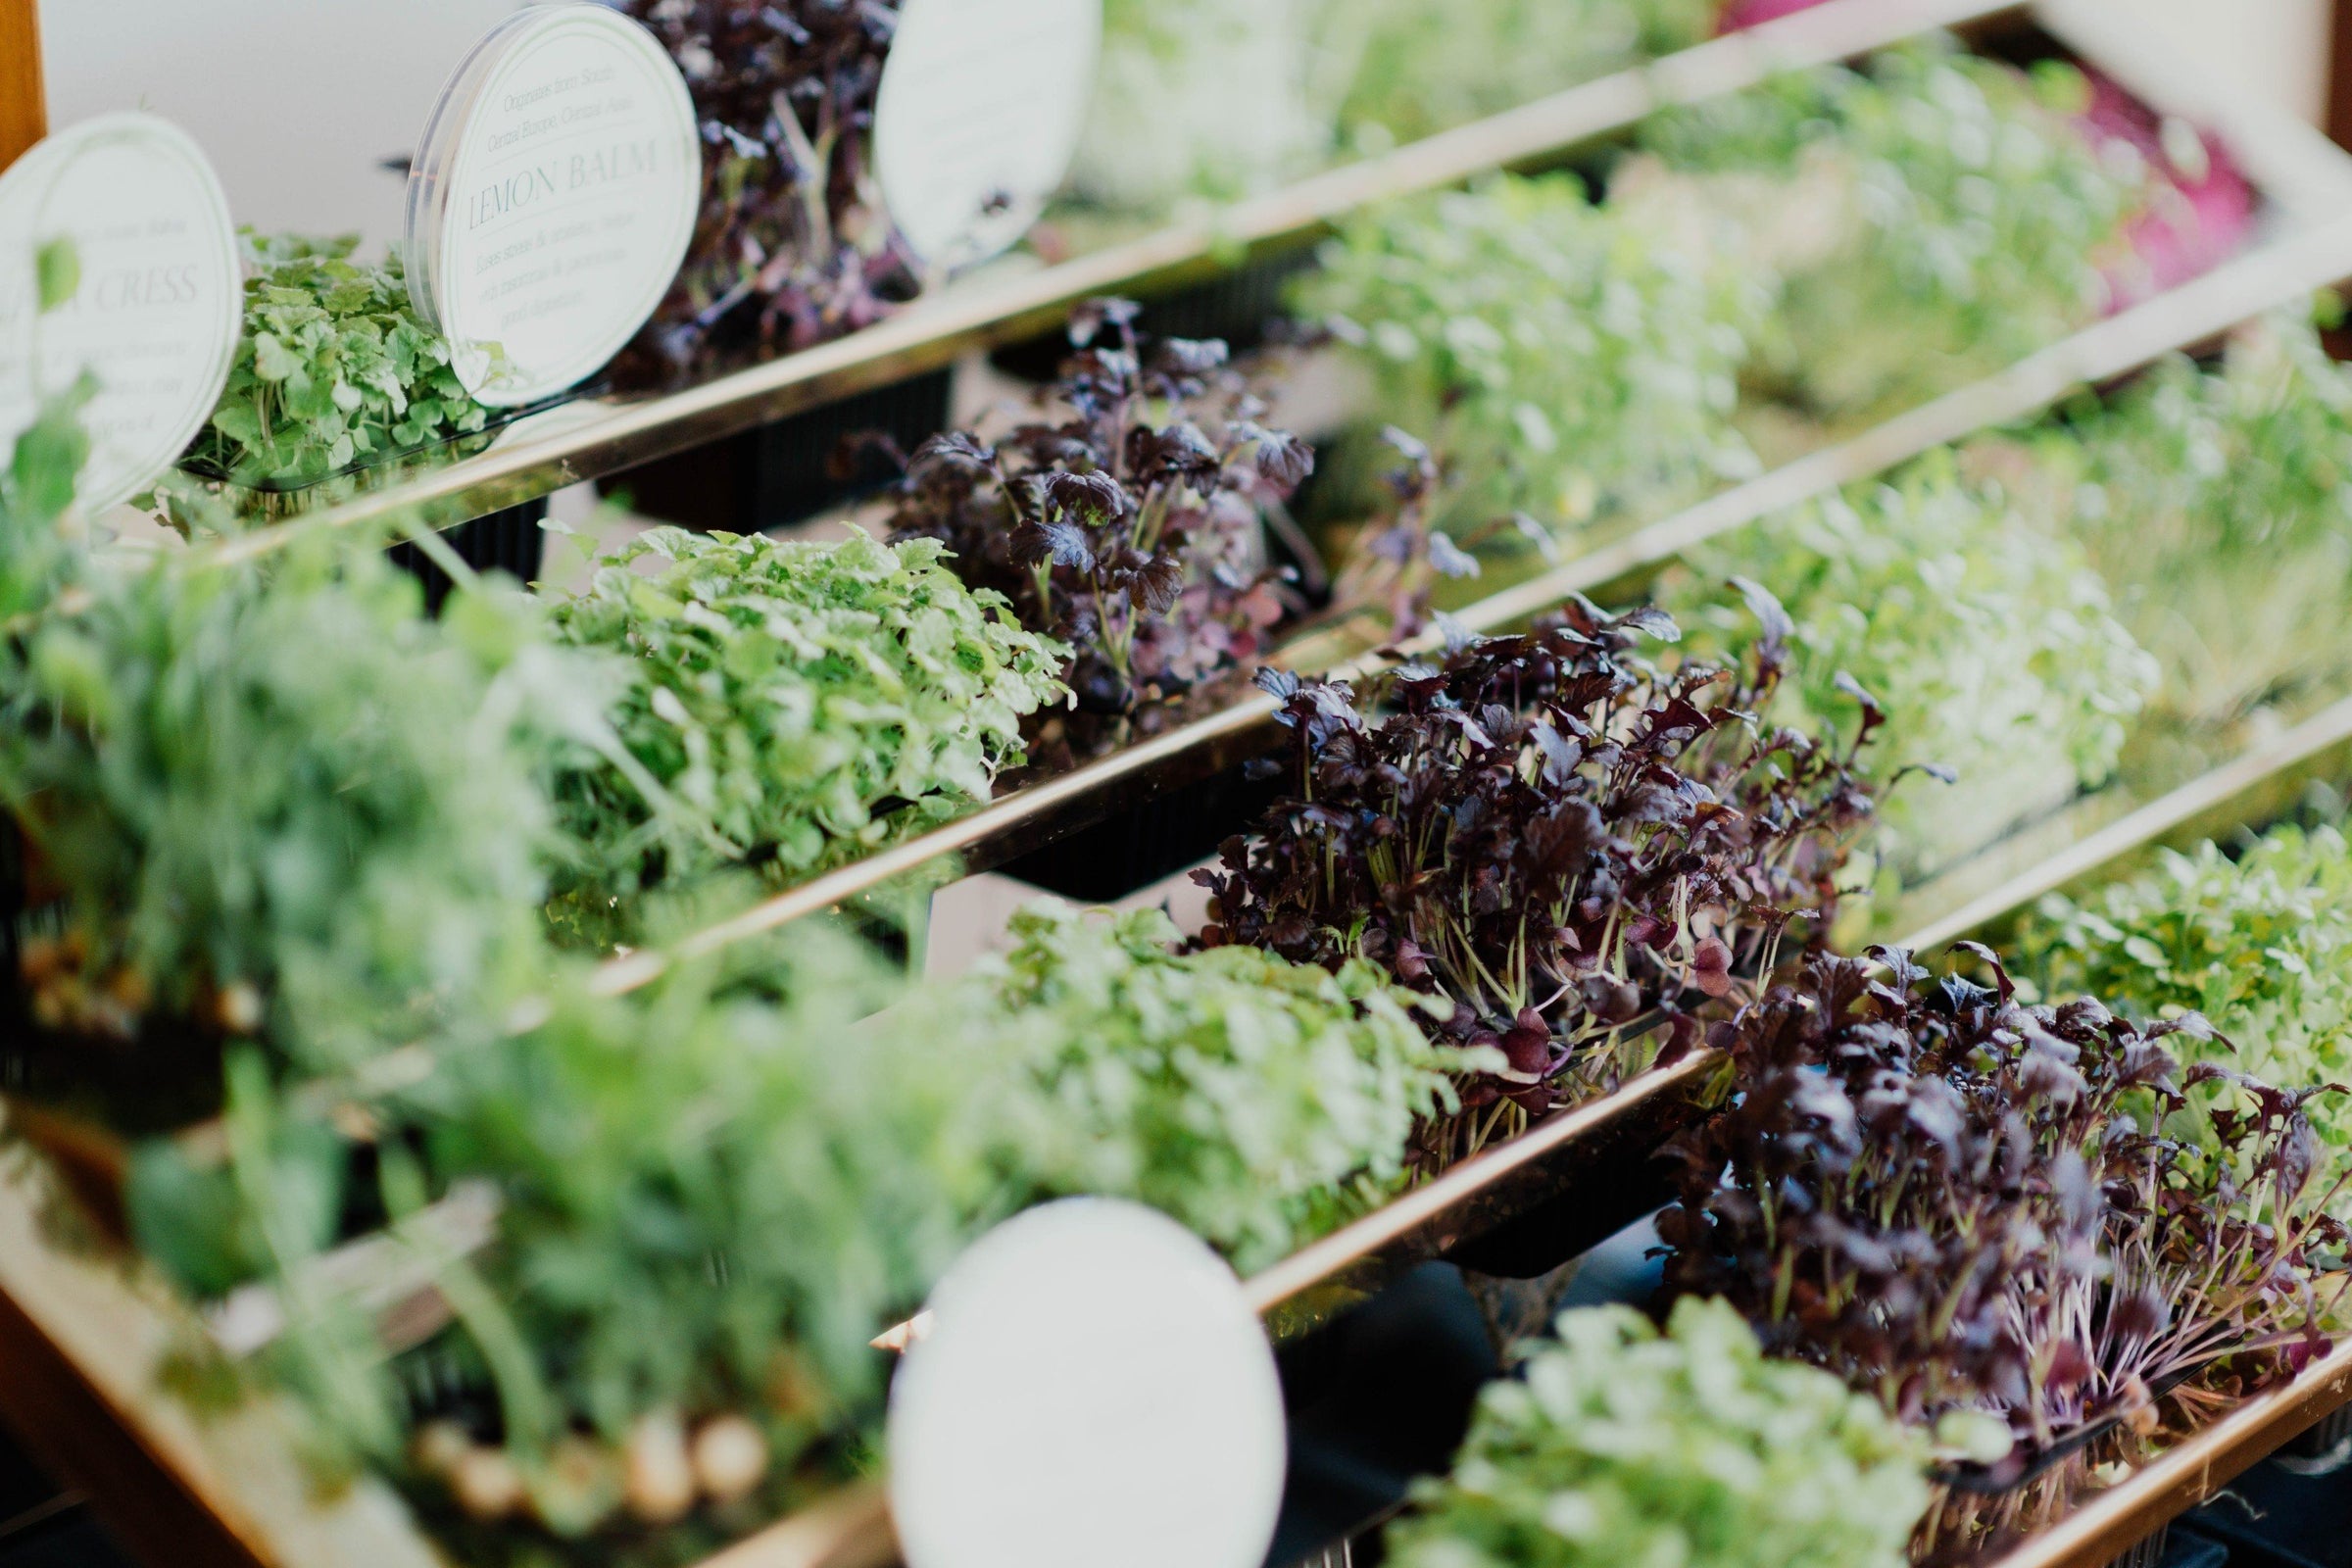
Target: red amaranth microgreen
<point>1128,523</point>
<point>1577,849</point>
<point>791,245</point>
<point>1970,1207</point>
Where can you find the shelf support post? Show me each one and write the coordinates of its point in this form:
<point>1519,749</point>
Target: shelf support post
<point>2339,72</point>
<point>23,107</point>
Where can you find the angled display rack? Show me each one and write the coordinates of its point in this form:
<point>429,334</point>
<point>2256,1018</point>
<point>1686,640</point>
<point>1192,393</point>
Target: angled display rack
<point>89,1341</point>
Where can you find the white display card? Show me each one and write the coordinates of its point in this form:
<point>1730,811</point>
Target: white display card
<point>154,315</point>
<point>1091,1388</point>
<point>552,199</point>
<point>980,109</point>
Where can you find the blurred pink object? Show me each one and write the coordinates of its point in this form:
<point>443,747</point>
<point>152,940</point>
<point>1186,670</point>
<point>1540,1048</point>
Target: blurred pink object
<point>2202,211</point>
<point>1748,13</point>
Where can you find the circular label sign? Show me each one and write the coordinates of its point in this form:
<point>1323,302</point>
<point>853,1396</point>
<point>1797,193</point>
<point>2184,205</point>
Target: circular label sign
<point>152,296</point>
<point>1091,1388</point>
<point>552,199</point>
<point>978,117</point>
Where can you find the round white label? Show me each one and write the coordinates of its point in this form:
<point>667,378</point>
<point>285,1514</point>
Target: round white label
<point>978,117</point>
<point>155,294</point>
<point>1091,1388</point>
<point>552,199</point>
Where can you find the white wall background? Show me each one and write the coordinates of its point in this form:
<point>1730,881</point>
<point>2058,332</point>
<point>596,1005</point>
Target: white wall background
<point>2268,46</point>
<point>297,100</point>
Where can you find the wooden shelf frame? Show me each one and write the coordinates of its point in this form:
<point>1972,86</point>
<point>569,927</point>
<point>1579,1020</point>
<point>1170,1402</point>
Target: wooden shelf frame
<point>591,438</point>
<point>1036,814</point>
<point>86,1337</point>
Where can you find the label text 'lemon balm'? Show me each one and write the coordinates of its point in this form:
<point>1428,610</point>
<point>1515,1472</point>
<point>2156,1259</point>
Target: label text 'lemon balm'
<point>582,170</point>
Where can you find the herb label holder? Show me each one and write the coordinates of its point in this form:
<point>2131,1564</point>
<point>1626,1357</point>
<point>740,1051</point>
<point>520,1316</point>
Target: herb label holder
<point>1090,1378</point>
<point>152,296</point>
<point>551,198</point>
<point>978,118</point>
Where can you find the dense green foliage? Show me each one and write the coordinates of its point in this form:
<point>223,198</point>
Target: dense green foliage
<point>1220,99</point>
<point>1845,242</point>
<point>1989,644</point>
<point>1621,1446</point>
<point>1255,1099</point>
<point>2259,945</point>
<point>1561,362</point>
<point>2203,494</point>
<point>36,492</point>
<point>706,1205</point>
<point>797,703</point>
<point>1200,98</point>
<point>333,369</point>
<point>283,805</point>
<point>1413,69</point>
<point>1933,217</point>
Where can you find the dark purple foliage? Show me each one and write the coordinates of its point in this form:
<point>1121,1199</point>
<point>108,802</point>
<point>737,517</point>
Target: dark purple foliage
<point>1131,526</point>
<point>1959,1203</point>
<point>1574,848</point>
<point>792,246</point>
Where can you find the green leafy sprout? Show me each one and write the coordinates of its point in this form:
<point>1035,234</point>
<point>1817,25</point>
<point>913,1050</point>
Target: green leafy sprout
<point>333,369</point>
<point>1561,362</point>
<point>1988,642</point>
<point>2215,500</point>
<point>2260,943</point>
<point>1932,217</point>
<point>1258,1102</point>
<point>798,704</point>
<point>282,806</point>
<point>1620,1444</point>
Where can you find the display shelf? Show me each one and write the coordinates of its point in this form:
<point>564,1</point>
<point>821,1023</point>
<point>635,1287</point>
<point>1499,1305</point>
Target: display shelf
<point>1547,1164</point>
<point>88,1338</point>
<point>85,1341</point>
<point>2305,183</point>
<point>591,438</point>
<point>1032,813</point>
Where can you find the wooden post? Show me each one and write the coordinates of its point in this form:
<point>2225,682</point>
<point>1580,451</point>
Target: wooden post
<point>2339,72</point>
<point>24,108</point>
